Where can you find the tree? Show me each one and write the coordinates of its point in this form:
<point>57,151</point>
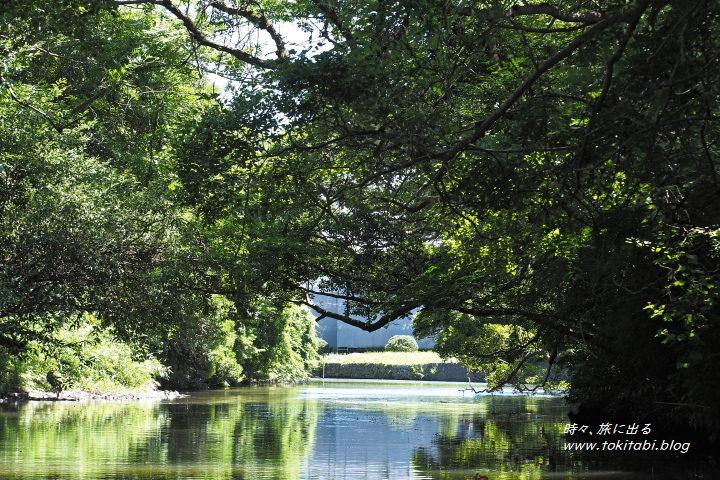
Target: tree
<point>551,169</point>
<point>539,180</point>
<point>84,121</point>
<point>91,222</point>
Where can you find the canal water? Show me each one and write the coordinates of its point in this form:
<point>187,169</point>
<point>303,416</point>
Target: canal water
<point>329,430</point>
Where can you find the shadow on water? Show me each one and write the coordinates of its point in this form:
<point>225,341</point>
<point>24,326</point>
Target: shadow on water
<point>324,430</point>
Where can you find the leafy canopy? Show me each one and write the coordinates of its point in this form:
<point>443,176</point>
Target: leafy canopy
<point>539,180</point>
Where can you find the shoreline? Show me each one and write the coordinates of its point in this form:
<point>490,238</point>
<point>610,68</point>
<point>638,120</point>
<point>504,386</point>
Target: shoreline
<point>84,395</point>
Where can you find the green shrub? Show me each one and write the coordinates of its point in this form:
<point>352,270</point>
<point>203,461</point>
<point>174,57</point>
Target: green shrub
<point>85,357</point>
<point>401,343</point>
<point>105,364</point>
<point>11,369</point>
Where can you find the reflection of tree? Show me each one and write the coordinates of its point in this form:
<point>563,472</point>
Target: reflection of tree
<point>94,440</point>
<point>523,438</point>
<point>424,460</point>
<point>256,436</point>
<point>275,434</point>
<point>55,437</point>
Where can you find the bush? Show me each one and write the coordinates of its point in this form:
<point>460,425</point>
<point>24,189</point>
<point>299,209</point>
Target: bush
<point>85,357</point>
<point>401,343</point>
<point>102,363</point>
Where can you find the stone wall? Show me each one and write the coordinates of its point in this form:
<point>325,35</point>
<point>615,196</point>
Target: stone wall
<point>440,372</point>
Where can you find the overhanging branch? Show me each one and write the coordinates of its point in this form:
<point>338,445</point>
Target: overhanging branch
<point>351,298</point>
<point>260,20</point>
<point>482,127</point>
<point>363,325</point>
<point>538,318</point>
<point>199,37</point>
<point>332,16</point>
<point>547,9</point>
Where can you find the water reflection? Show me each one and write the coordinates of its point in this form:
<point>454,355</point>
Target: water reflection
<point>323,430</point>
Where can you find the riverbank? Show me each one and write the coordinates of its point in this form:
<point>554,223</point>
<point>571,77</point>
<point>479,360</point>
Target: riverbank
<point>84,395</point>
<point>395,366</point>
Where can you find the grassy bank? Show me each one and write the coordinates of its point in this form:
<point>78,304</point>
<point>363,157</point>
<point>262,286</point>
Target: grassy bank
<point>393,366</point>
<point>387,358</point>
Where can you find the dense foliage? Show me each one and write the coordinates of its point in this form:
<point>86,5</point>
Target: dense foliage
<point>86,358</point>
<point>537,181</point>
<point>90,224</point>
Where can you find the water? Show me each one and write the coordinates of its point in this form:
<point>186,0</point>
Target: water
<point>325,430</point>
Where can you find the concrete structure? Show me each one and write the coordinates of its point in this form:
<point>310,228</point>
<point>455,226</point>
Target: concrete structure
<point>342,336</point>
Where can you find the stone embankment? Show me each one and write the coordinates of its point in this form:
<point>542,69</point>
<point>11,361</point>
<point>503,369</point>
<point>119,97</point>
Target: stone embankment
<point>439,372</point>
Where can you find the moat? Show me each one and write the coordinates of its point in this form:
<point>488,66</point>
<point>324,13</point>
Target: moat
<point>324,430</point>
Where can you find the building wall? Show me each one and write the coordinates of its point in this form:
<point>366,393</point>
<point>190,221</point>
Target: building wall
<point>341,335</point>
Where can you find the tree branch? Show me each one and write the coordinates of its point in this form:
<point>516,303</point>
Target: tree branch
<point>351,298</point>
<point>261,21</point>
<point>58,127</point>
<point>332,16</point>
<point>609,66</point>
<point>201,38</point>
<point>537,318</point>
<point>80,108</point>
<point>547,9</point>
<point>517,26</point>
<point>482,127</point>
<point>363,325</point>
